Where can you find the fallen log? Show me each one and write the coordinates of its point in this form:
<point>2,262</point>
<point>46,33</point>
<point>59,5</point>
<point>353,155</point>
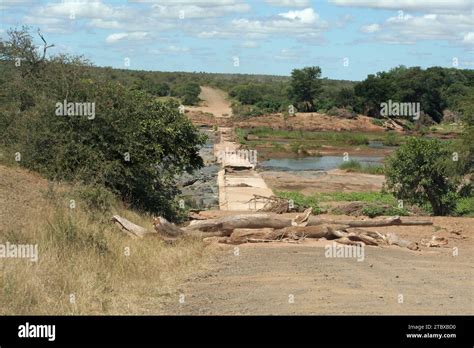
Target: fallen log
<point>391,221</point>
<point>167,229</point>
<point>227,224</point>
<point>244,235</point>
<point>130,228</point>
<point>328,231</point>
<point>362,238</point>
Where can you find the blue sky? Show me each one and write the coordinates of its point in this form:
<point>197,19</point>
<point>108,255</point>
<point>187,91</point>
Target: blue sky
<point>348,39</point>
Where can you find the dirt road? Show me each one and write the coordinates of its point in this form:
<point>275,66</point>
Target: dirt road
<point>281,278</point>
<point>214,101</point>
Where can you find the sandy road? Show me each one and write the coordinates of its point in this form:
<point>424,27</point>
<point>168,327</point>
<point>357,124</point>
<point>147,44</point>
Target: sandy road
<point>214,101</point>
<point>263,278</point>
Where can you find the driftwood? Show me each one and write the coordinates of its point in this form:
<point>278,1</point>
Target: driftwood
<point>167,229</point>
<point>130,228</point>
<point>227,224</point>
<point>243,235</point>
<point>435,241</point>
<point>263,228</point>
<point>393,239</point>
<point>391,221</point>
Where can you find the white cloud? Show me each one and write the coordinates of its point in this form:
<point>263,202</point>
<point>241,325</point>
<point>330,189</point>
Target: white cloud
<point>371,28</point>
<point>303,24</point>
<point>288,3</point>
<point>104,24</point>
<point>415,5</point>
<point>468,39</point>
<point>431,26</point>
<point>133,36</point>
<point>304,16</point>
<point>82,8</point>
<point>197,9</point>
<point>409,29</point>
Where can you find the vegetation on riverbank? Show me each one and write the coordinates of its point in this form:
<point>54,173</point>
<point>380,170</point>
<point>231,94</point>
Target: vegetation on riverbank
<point>357,167</point>
<point>375,203</point>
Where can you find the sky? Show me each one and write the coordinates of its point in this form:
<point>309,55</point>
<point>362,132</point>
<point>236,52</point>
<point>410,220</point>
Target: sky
<point>348,39</point>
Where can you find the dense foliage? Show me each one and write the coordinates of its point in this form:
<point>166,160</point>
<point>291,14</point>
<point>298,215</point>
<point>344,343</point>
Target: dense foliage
<point>305,87</point>
<point>435,89</point>
<point>421,172</point>
<point>133,144</point>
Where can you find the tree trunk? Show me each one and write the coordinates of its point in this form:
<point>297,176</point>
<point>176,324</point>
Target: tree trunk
<point>395,220</point>
<point>229,223</point>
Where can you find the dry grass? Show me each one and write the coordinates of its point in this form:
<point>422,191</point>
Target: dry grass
<point>81,253</point>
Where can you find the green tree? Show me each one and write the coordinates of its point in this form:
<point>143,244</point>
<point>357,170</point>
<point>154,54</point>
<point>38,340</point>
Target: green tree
<point>346,97</point>
<point>305,87</point>
<point>134,145</point>
<point>247,94</point>
<point>188,92</point>
<point>420,172</point>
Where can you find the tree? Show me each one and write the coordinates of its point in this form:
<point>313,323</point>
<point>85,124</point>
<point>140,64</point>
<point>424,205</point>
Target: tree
<point>346,97</point>
<point>134,145</point>
<point>420,172</point>
<point>188,92</point>
<point>247,94</point>
<point>374,90</point>
<point>305,87</point>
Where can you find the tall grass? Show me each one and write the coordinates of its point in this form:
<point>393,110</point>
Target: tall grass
<point>86,264</point>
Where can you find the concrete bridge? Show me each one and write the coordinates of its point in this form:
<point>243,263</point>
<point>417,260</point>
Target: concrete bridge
<point>238,180</point>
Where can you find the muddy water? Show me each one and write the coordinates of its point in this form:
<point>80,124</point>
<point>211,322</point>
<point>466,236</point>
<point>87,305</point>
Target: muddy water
<point>315,163</point>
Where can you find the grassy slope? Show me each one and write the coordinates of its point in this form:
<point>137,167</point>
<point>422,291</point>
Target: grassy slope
<point>82,253</point>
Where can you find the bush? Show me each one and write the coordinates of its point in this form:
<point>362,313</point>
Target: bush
<point>96,198</point>
<point>465,207</point>
<point>134,145</point>
<point>247,94</point>
<point>420,172</point>
<point>188,92</point>
<point>378,210</point>
<point>300,200</point>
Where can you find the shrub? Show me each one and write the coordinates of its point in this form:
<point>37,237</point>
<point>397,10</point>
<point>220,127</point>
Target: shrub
<point>301,200</point>
<point>378,210</point>
<point>419,172</point>
<point>135,145</point>
<point>96,198</point>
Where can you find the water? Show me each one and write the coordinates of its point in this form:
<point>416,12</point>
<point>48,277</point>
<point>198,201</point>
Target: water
<point>315,163</point>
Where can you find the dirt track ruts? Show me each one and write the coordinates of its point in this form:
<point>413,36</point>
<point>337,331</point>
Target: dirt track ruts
<point>262,279</point>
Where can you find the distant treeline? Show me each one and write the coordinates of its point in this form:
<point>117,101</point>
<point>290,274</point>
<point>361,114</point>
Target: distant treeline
<point>435,89</point>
